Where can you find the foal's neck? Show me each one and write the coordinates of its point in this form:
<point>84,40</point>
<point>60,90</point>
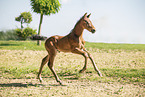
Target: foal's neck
<point>78,30</point>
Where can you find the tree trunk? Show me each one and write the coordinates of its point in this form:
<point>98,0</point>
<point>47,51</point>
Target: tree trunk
<point>22,25</point>
<point>39,30</point>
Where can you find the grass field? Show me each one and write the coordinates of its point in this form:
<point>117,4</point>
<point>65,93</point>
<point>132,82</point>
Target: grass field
<point>122,66</point>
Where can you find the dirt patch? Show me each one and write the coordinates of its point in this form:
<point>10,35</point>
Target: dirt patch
<point>72,88</point>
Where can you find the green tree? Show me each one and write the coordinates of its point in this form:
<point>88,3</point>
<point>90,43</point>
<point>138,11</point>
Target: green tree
<point>25,17</point>
<point>25,33</point>
<point>44,7</point>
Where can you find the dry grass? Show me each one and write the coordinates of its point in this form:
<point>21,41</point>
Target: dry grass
<point>18,70</point>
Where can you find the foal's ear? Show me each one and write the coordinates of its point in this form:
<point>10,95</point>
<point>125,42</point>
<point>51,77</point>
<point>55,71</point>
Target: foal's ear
<point>88,15</point>
<point>85,14</point>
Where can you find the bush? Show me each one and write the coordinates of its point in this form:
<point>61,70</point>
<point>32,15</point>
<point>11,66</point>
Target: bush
<point>25,33</point>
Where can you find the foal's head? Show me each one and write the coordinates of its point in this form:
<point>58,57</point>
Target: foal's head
<point>87,24</point>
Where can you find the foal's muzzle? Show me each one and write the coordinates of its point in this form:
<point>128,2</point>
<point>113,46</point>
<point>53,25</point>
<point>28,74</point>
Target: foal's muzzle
<point>93,30</point>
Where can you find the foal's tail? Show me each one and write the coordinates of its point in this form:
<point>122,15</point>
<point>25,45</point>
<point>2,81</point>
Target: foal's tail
<point>50,43</point>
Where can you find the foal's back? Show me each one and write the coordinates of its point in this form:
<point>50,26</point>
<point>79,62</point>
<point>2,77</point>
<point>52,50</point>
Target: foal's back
<point>60,43</point>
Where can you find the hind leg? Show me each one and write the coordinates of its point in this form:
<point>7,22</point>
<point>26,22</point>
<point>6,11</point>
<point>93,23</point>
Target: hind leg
<point>44,61</point>
<point>50,64</point>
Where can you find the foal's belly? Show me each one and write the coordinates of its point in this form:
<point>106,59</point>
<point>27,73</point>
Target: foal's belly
<point>63,45</point>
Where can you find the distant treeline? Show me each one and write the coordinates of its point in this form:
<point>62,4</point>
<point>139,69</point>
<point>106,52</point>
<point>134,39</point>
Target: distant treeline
<point>17,34</point>
<point>8,35</point>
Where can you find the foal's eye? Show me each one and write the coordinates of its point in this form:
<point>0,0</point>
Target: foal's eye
<point>88,24</point>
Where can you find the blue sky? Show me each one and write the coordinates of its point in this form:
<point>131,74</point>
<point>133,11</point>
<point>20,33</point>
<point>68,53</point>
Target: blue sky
<point>116,21</point>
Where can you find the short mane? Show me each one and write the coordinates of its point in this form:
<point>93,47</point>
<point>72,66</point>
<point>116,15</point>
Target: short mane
<point>78,21</point>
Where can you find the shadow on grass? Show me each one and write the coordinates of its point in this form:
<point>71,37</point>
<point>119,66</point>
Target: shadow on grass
<point>69,76</point>
<point>55,85</point>
<point>20,85</point>
<point>9,44</point>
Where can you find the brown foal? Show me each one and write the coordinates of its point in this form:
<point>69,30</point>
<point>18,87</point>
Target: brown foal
<point>73,42</point>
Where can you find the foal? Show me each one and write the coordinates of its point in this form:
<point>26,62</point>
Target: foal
<point>73,42</point>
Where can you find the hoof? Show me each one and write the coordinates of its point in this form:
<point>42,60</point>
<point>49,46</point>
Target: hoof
<point>60,82</point>
<point>40,79</point>
<point>100,75</point>
<point>81,71</point>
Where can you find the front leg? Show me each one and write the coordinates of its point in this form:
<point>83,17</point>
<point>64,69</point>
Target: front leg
<point>95,67</point>
<point>92,60</point>
<point>83,53</point>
